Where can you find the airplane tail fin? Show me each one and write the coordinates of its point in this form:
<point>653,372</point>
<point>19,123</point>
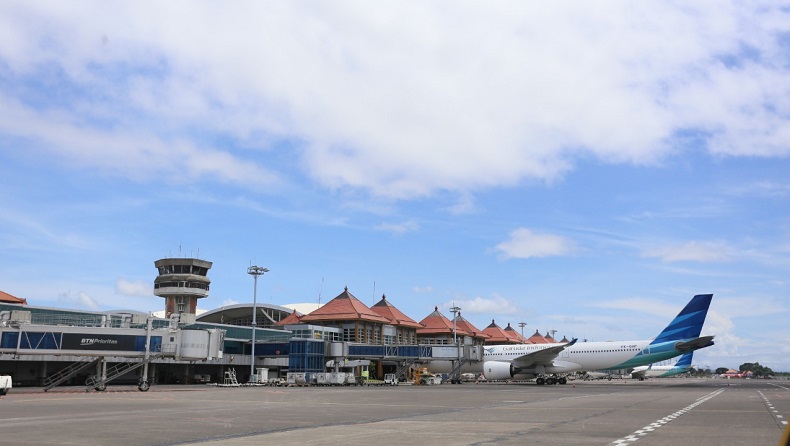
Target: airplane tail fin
<point>685,360</point>
<point>688,323</point>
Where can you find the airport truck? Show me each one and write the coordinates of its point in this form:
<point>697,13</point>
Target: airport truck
<point>5,384</point>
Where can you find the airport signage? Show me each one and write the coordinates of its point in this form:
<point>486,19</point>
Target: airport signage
<point>445,352</point>
<point>88,341</point>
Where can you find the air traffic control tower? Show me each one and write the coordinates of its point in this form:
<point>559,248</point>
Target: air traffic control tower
<point>182,282</point>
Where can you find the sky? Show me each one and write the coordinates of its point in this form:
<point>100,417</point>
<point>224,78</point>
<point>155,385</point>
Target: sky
<point>583,167</point>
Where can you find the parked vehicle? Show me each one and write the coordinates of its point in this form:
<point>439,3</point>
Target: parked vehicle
<point>5,384</point>
<point>390,379</point>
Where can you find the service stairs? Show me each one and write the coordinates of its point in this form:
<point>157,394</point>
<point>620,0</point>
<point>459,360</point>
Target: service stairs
<point>456,371</point>
<point>230,379</point>
<point>116,371</point>
<point>401,370</point>
<point>68,372</point>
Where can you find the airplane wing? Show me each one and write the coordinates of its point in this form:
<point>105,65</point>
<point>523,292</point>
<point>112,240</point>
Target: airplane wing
<point>696,344</point>
<point>544,356</point>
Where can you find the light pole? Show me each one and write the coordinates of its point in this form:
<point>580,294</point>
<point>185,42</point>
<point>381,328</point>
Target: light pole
<point>551,332</point>
<point>254,271</point>
<point>455,310</point>
<point>522,325</point>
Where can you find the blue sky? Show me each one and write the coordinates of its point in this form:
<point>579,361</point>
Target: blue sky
<point>585,168</point>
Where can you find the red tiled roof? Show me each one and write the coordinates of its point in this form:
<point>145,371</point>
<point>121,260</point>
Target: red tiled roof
<point>466,325</point>
<point>396,317</point>
<point>515,335</point>
<point>436,323</point>
<point>549,338</point>
<point>291,319</point>
<point>537,338</point>
<point>497,335</point>
<point>344,307</point>
<point>9,299</point>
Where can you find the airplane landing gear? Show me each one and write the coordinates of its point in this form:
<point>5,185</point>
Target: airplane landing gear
<point>551,380</point>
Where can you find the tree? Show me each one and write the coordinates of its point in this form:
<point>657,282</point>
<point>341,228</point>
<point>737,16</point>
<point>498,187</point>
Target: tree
<point>756,369</point>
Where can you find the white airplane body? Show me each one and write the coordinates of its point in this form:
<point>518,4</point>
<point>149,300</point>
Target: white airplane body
<point>525,361</point>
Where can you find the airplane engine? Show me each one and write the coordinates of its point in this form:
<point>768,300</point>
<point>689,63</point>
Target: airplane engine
<point>496,370</point>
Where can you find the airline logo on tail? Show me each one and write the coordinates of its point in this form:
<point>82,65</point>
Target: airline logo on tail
<point>687,324</point>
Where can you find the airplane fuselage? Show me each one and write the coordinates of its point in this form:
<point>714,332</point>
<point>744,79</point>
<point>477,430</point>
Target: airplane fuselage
<point>609,355</point>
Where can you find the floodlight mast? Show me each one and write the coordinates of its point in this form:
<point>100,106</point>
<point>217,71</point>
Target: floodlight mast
<point>254,271</point>
<point>522,325</point>
<point>455,310</point>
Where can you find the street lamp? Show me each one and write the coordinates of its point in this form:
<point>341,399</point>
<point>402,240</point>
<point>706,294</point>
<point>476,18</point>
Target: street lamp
<point>522,325</point>
<point>455,310</point>
<point>254,271</point>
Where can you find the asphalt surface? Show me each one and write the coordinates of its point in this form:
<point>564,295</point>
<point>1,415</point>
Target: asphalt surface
<point>654,412</point>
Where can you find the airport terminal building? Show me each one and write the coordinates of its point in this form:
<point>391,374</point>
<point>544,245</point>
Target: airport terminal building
<point>42,346</point>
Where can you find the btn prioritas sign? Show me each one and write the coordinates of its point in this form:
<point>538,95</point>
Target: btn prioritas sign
<point>79,341</point>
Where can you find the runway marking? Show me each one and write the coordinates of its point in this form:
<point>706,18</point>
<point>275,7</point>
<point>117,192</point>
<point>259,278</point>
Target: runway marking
<point>771,408</point>
<point>628,439</point>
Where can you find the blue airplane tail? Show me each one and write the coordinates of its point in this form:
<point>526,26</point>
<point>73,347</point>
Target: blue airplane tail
<point>688,323</point>
<point>685,360</point>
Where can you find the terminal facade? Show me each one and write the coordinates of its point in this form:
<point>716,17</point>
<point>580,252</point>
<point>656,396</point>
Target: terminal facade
<point>38,344</point>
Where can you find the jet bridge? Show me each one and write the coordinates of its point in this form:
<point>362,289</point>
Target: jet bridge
<point>137,346</point>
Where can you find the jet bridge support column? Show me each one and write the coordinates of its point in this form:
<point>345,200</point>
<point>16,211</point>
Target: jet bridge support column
<point>101,372</point>
<point>143,385</point>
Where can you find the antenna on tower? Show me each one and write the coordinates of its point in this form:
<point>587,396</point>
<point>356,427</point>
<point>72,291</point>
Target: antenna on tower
<point>320,290</point>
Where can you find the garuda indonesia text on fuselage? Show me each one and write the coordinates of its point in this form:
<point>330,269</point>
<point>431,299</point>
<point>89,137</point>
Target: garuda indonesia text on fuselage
<point>548,362</point>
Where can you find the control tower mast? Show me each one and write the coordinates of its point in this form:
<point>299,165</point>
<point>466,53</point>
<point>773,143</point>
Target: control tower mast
<point>181,282</point>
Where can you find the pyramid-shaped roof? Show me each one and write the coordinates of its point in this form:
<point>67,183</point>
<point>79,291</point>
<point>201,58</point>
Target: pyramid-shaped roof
<point>437,323</point>
<point>537,338</point>
<point>496,335</point>
<point>460,322</point>
<point>396,317</point>
<point>515,335</point>
<point>291,319</point>
<point>550,338</point>
<point>9,299</point>
<point>344,307</point>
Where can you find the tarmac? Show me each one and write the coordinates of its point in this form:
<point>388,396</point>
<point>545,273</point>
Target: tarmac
<point>662,412</point>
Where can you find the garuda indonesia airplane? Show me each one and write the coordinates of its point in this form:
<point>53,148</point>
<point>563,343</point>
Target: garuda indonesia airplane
<point>662,371</point>
<point>549,362</point>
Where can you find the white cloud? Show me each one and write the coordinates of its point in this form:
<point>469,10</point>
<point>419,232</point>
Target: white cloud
<point>81,300</point>
<point>692,251</point>
<point>137,288</point>
<point>403,103</point>
<point>524,243</point>
<point>641,305</point>
<point>486,305</point>
<point>398,228</point>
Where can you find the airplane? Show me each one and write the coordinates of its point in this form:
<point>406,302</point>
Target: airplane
<point>661,371</point>
<point>549,363</point>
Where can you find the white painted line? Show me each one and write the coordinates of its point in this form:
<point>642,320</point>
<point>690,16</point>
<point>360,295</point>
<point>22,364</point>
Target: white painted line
<point>653,426</point>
